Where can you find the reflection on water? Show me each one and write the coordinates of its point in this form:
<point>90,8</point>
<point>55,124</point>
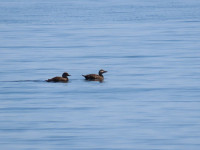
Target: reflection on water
<point>149,98</point>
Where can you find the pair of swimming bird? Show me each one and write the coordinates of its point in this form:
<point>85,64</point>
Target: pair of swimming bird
<point>91,77</point>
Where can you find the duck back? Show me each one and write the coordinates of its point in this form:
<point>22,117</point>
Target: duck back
<point>93,77</point>
<point>57,79</point>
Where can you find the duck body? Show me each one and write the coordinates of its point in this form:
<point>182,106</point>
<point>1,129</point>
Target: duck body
<point>57,79</point>
<point>64,78</point>
<point>95,77</point>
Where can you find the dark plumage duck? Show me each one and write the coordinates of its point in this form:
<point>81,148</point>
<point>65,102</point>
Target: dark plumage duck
<point>64,78</point>
<point>95,77</point>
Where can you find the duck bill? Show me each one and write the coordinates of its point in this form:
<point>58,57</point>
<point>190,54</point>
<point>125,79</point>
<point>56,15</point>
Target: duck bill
<point>105,71</point>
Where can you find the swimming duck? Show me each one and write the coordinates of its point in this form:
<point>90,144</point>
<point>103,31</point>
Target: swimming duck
<point>95,77</point>
<point>64,78</point>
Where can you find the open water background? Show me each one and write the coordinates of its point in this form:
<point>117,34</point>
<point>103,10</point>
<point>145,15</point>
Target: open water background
<point>150,99</point>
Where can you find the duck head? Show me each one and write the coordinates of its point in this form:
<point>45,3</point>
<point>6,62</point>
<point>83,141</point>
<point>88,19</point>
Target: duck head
<point>65,74</point>
<point>102,71</point>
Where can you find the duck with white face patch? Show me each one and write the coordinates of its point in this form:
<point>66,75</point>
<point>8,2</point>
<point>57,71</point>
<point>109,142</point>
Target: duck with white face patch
<point>95,77</point>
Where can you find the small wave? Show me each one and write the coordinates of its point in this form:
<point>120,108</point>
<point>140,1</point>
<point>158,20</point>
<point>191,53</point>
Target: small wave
<point>25,81</point>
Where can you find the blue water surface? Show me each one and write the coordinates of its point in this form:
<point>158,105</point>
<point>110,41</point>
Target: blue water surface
<point>150,97</point>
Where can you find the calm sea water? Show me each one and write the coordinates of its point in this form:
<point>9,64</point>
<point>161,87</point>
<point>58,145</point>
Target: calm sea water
<point>149,100</point>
